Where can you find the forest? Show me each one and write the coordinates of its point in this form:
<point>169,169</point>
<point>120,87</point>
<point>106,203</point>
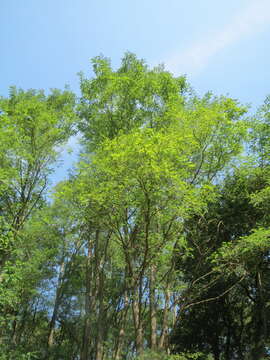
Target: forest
<point>156,246</point>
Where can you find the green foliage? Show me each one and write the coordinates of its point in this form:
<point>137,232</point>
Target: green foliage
<point>149,244</point>
<point>18,355</point>
<point>152,355</point>
<point>33,127</point>
<point>115,102</point>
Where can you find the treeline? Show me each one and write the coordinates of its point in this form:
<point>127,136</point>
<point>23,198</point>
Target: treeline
<point>157,246</point>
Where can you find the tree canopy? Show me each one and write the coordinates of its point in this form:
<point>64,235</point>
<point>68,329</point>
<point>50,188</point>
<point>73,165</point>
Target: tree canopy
<point>157,245</point>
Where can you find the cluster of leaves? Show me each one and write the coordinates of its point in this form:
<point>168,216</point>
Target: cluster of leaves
<point>152,355</point>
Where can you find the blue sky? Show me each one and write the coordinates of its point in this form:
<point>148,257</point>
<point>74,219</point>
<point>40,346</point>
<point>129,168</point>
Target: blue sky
<point>221,46</point>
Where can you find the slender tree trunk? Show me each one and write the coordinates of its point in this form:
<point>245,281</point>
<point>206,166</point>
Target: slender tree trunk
<point>52,322</point>
<point>119,345</point>
<point>57,302</point>
<point>101,259</point>
<point>174,311</point>
<point>121,334</point>
<point>88,306</point>
<point>101,323</point>
<point>137,322</point>
<point>153,312</point>
<point>99,343</point>
<point>14,332</point>
<point>164,331</point>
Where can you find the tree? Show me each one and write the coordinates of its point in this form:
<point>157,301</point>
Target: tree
<point>229,265</point>
<point>156,153</point>
<point>217,298</point>
<point>33,128</point>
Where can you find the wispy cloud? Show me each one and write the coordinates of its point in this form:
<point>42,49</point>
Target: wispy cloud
<point>252,19</point>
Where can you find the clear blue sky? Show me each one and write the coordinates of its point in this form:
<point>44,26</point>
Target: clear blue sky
<point>222,46</point>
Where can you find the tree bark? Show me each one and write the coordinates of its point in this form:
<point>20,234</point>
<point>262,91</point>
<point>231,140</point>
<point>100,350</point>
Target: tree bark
<point>137,322</point>
<point>56,307</point>
<point>121,334</point>
<point>164,331</point>
<point>101,316</point>
<point>88,305</point>
<point>153,312</point>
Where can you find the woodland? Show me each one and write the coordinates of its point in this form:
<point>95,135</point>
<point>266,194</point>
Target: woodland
<point>156,245</point>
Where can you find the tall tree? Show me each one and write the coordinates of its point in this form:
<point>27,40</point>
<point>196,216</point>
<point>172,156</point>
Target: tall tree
<point>33,126</point>
<point>156,152</point>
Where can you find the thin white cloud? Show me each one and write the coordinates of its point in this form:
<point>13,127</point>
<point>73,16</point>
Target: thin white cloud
<point>249,21</point>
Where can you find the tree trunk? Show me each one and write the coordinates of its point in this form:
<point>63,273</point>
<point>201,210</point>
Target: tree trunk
<point>57,302</point>
<point>137,323</point>
<point>153,313</point>
<point>164,331</point>
<point>88,306</point>
<point>101,322</point>
<point>120,342</point>
<point>121,334</point>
